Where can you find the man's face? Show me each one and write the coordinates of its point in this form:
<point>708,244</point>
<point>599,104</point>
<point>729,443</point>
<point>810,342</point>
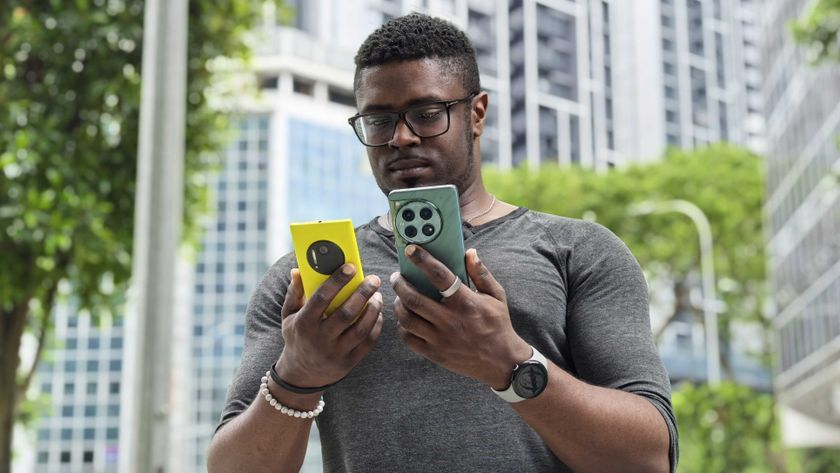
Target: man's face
<point>408,160</point>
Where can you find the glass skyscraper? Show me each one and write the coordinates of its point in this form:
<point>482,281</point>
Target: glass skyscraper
<point>81,377</point>
<point>803,218</point>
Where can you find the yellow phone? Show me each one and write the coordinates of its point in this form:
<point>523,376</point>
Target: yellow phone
<point>321,248</point>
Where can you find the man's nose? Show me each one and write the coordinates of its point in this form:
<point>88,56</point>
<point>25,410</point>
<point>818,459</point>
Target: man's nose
<point>403,136</point>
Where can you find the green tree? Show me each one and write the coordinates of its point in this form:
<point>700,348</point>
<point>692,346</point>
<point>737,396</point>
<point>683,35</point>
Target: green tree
<point>818,30</point>
<point>727,428</point>
<point>69,106</point>
<point>726,182</point>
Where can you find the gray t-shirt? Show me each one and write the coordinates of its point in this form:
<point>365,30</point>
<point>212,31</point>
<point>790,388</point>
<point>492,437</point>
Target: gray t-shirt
<point>575,292</point>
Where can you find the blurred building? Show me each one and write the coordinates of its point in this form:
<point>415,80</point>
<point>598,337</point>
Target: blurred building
<point>803,219</point>
<point>686,73</point>
<point>80,379</point>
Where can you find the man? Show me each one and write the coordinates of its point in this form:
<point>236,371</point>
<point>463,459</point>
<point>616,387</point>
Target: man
<point>557,323</point>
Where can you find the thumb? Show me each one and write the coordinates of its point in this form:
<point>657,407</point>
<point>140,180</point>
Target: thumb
<point>481,277</point>
<point>294,295</point>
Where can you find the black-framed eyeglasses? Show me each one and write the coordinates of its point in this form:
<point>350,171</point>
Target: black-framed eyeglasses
<point>426,121</point>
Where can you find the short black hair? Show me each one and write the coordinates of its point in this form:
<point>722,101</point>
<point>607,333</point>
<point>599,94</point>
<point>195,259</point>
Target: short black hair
<point>419,36</point>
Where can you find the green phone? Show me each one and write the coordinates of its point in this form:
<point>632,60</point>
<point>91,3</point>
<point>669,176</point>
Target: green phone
<point>429,217</point>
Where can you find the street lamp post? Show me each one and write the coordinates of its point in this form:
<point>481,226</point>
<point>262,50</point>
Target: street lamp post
<point>711,305</point>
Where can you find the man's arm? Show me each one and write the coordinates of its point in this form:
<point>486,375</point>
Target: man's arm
<point>589,428</point>
<point>262,439</point>
<point>318,351</point>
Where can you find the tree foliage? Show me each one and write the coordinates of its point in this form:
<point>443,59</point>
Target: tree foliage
<point>819,31</point>
<point>727,428</point>
<point>69,110</point>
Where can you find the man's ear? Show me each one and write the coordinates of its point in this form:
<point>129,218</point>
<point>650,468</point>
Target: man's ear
<point>479,112</point>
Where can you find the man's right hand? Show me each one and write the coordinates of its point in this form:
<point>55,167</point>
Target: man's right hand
<point>321,350</point>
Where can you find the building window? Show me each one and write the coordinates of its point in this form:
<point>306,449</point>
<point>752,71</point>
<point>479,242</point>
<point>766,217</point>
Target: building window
<point>114,388</point>
<point>66,434</point>
<point>87,457</point>
<point>67,411</point>
<point>90,410</point>
<point>111,433</point>
<point>43,457</point>
<point>69,388</point>
<point>93,343</point>
<point>91,388</point>
<point>115,365</point>
<point>90,434</point>
<point>302,86</point>
<point>268,82</point>
<point>65,457</point>
<point>117,343</point>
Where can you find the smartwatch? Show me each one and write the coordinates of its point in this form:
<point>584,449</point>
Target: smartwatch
<point>528,380</point>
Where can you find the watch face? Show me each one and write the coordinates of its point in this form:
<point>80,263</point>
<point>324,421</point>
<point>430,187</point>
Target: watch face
<point>530,380</point>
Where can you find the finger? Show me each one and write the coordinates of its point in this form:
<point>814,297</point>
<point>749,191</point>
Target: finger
<point>413,299</point>
<point>439,275</point>
<point>318,302</point>
<point>368,343</point>
<point>354,334</point>
<point>413,323</point>
<point>482,278</point>
<point>413,342</point>
<point>347,312</point>
<point>294,295</point>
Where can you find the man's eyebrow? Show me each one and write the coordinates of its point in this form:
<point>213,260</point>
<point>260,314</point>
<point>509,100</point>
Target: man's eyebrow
<point>390,108</point>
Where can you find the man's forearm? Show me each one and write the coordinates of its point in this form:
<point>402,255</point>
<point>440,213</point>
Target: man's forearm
<point>263,439</point>
<point>595,429</point>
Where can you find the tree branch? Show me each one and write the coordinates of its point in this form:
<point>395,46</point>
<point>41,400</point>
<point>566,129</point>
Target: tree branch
<point>47,306</point>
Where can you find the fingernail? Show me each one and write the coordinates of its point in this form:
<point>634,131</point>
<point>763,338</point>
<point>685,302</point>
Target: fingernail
<point>475,253</point>
<point>394,277</point>
<point>348,269</point>
<point>375,280</point>
<point>409,250</point>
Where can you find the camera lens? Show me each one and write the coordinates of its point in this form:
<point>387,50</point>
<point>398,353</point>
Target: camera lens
<point>425,213</point>
<point>411,231</point>
<point>408,215</point>
<point>323,249</point>
<point>428,230</point>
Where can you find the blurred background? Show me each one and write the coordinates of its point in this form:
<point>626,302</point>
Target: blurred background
<point>703,132</point>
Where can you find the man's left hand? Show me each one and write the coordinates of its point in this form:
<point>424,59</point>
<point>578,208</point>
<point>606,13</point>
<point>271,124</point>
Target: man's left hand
<point>469,332</point>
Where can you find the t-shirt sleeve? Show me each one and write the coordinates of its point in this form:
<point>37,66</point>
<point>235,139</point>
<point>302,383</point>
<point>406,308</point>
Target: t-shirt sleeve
<point>263,338</point>
<point>608,323</point>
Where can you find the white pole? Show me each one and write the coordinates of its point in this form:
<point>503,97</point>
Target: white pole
<point>711,305</point>
<point>148,393</point>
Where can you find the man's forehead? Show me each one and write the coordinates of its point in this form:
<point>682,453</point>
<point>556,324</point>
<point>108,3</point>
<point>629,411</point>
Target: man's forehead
<point>400,82</point>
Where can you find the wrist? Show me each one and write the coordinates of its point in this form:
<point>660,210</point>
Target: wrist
<point>515,353</point>
<point>301,402</point>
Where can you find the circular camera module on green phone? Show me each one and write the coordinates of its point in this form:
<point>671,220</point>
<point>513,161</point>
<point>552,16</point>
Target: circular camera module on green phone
<point>419,222</point>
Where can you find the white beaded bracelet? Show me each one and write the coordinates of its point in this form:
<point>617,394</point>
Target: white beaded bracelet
<point>287,410</point>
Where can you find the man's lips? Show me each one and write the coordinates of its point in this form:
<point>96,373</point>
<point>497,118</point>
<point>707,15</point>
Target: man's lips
<point>407,163</point>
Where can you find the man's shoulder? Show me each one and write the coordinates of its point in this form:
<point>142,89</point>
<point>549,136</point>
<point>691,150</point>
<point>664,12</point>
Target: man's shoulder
<point>567,229</point>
